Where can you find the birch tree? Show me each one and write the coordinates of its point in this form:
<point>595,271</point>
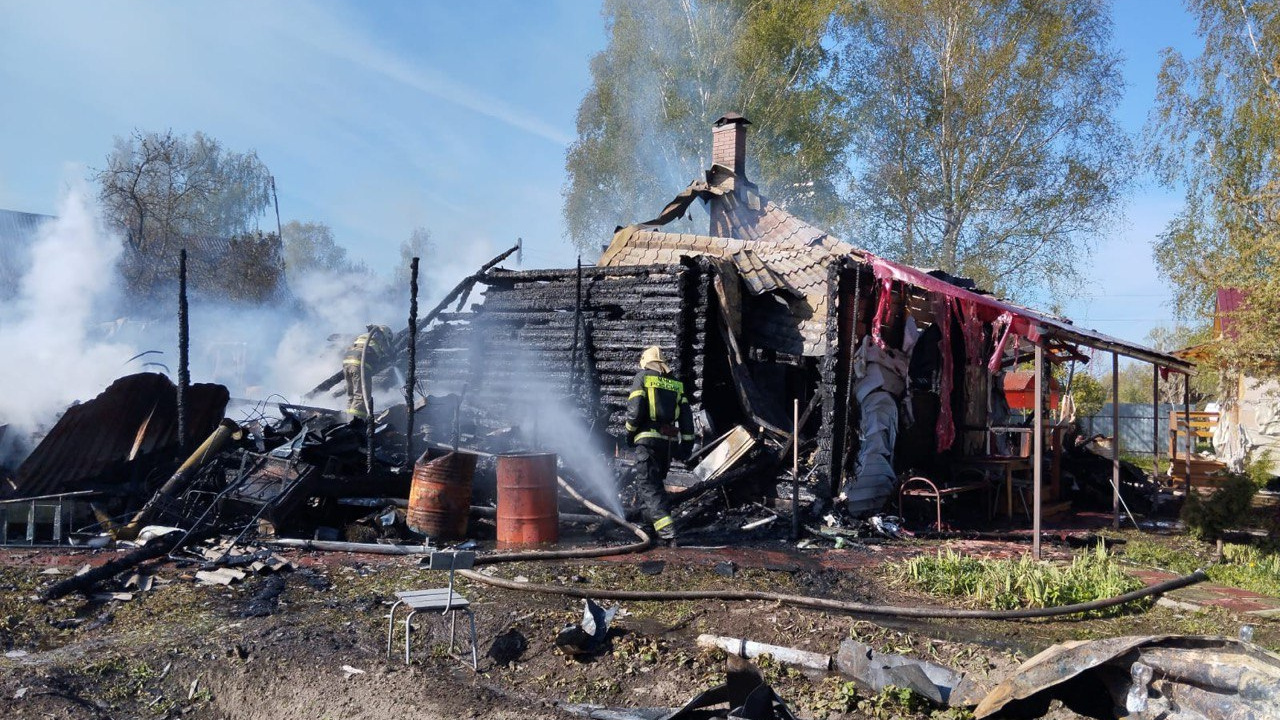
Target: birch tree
<point>1215,133</point>
<point>985,142</point>
<point>670,69</point>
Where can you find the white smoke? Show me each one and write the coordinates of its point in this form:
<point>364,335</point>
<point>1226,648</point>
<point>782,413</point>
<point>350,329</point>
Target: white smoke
<point>68,333</point>
<point>52,342</point>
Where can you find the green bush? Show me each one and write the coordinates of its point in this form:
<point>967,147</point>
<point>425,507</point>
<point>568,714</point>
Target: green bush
<point>1259,469</point>
<point>1008,584</point>
<point>1208,518</point>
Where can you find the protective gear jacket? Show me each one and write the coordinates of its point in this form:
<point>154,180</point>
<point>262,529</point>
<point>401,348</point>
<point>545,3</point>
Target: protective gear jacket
<point>373,347</point>
<point>657,409</point>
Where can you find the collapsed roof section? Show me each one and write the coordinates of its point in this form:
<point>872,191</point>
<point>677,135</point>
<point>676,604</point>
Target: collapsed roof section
<point>771,250</point>
<point>112,442</point>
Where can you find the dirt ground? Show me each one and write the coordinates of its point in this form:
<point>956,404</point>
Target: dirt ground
<point>311,642</point>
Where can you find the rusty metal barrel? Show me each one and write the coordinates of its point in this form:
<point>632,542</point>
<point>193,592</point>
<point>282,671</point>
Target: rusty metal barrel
<point>440,496</point>
<point>528,515</point>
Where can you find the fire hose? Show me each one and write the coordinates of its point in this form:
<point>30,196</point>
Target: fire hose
<point>794,600</point>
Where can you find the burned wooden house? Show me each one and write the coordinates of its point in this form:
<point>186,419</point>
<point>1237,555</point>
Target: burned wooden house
<point>893,369</point>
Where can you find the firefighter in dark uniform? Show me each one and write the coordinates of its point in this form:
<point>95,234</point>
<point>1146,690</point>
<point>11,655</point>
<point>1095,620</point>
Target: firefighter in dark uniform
<point>659,423</point>
<point>368,355</point>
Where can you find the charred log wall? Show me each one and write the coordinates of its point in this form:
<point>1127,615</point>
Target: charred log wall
<point>828,457</point>
<point>518,347</point>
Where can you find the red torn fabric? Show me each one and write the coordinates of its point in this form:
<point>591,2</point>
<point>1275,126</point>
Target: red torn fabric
<point>1024,322</point>
<point>1003,328</point>
<point>971,326</point>
<point>882,311</point>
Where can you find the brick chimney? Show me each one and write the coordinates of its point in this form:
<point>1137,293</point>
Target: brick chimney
<point>729,143</point>
<point>728,169</point>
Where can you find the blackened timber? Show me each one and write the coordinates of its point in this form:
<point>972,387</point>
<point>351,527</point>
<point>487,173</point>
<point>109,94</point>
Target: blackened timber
<point>596,285</point>
<point>412,364</point>
<point>826,460</point>
<point>184,346</point>
<point>402,337</point>
<point>527,324</point>
<point>630,307</point>
<point>560,275</point>
<point>577,325</point>
<point>565,319</point>
<point>849,403</point>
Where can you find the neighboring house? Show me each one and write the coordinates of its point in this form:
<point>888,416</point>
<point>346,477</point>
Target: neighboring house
<point>1249,408</point>
<point>18,231</point>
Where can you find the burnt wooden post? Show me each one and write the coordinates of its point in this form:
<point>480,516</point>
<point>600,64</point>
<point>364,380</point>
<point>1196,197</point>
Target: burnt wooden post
<point>1155,419</point>
<point>850,433</point>
<point>1037,454</point>
<point>577,327</point>
<point>795,469</point>
<point>1115,441</point>
<point>184,345</point>
<point>412,371</point>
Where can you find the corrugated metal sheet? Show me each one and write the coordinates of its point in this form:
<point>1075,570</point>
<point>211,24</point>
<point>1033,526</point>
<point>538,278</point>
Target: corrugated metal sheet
<point>102,442</point>
<point>20,225</point>
<point>18,231</point>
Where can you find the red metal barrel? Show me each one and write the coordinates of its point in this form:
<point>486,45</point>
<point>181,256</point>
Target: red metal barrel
<point>527,512</point>
<point>440,497</point>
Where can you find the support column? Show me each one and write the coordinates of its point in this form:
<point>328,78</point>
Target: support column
<point>1115,440</point>
<point>1037,453</point>
<point>1155,419</point>
<point>1186,419</point>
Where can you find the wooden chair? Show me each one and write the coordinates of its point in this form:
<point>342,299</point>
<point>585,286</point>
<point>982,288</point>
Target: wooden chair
<point>445,601</point>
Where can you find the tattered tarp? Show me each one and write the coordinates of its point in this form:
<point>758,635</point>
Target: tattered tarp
<point>94,444</point>
<point>1018,320</point>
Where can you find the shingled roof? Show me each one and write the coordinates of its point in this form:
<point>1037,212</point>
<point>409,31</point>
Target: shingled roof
<point>771,250</point>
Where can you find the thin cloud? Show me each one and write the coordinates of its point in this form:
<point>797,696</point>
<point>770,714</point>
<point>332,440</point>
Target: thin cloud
<point>359,51</point>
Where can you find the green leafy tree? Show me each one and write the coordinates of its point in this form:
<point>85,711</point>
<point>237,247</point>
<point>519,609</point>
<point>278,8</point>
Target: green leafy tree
<point>985,142</point>
<point>310,246</point>
<point>670,69</point>
<point>1215,133</point>
<point>163,191</point>
<point>253,270</point>
<point>1088,394</point>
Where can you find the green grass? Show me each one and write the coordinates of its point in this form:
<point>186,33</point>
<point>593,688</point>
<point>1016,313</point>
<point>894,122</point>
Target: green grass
<point>1248,568</point>
<point>1145,463</point>
<point>1008,584</point>
<point>1182,559</point>
<point>1242,566</point>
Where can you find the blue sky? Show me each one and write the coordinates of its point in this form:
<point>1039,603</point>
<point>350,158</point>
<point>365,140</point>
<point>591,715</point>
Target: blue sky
<point>379,117</point>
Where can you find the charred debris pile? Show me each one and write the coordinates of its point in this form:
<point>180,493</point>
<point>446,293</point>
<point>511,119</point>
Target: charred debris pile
<point>543,364</point>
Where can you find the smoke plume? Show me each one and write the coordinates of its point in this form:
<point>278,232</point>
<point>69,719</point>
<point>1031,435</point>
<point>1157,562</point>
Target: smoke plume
<point>50,332</point>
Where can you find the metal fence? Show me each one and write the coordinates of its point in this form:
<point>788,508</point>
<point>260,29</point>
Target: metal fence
<point>1135,427</point>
